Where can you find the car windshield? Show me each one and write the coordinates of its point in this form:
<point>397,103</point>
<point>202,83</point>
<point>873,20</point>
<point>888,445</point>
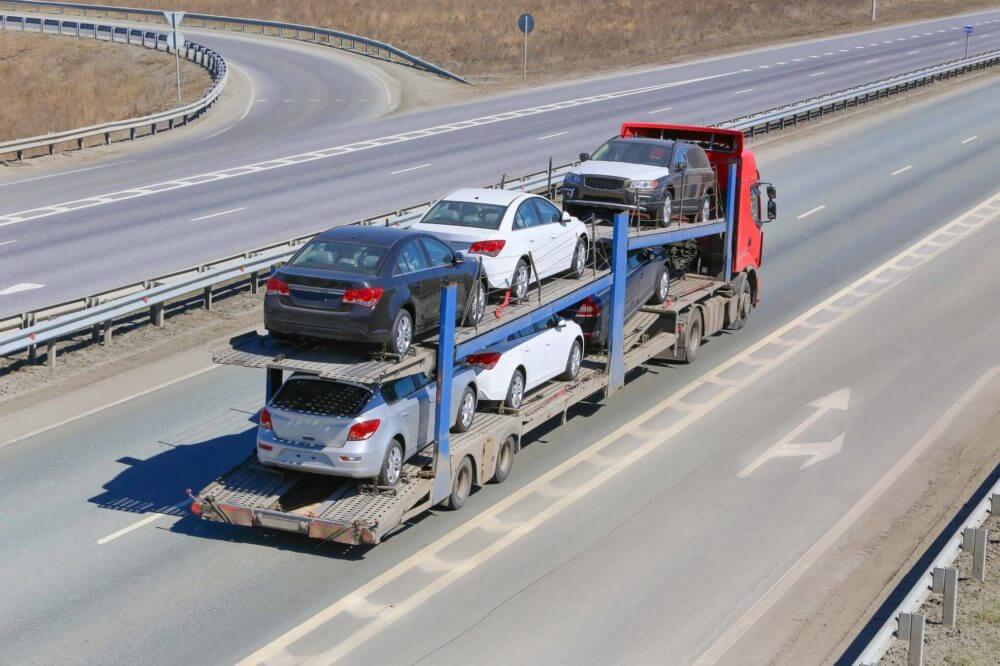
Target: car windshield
<point>319,396</point>
<point>635,152</point>
<point>465,214</point>
<point>340,256</point>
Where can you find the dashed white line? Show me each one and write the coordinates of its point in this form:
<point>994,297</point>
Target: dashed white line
<point>817,74</point>
<point>413,168</point>
<point>139,523</point>
<point>740,92</point>
<point>911,52</point>
<point>550,136</point>
<point>224,212</point>
<point>868,62</point>
<point>288,101</point>
<point>19,287</point>
<point>903,170</point>
<point>261,101</point>
<point>666,108</point>
<point>810,212</point>
<point>8,242</point>
<point>951,43</point>
<point>783,62</point>
<point>763,67</point>
<point>970,139</point>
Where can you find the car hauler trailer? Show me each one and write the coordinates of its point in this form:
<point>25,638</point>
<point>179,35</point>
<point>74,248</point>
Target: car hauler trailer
<point>700,303</point>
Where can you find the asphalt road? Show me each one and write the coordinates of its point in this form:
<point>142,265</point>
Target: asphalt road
<point>93,230</point>
<point>652,564</point>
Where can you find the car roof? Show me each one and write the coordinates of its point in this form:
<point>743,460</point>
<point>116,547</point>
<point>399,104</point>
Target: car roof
<point>374,234</point>
<point>484,195</point>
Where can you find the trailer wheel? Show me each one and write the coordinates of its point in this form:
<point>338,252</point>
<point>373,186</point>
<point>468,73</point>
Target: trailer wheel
<point>461,486</point>
<point>743,306</point>
<point>692,338</point>
<point>505,460</point>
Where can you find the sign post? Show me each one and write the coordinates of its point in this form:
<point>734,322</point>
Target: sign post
<point>968,33</point>
<point>174,20</point>
<point>526,23</point>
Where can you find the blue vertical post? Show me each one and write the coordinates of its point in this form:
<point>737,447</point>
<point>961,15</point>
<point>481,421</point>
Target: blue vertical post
<point>442,395</point>
<point>731,189</point>
<point>616,318</point>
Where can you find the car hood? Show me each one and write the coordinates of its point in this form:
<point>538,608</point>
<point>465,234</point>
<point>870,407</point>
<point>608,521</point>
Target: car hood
<point>622,170</point>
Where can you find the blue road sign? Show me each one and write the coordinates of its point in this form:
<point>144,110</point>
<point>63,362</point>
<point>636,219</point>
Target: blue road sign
<point>526,23</point>
<point>968,29</point>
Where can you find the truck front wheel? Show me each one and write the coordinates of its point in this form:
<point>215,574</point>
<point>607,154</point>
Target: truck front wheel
<point>744,304</point>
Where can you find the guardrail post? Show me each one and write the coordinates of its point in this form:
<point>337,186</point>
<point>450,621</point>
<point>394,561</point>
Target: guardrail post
<point>156,312</point>
<point>208,298</point>
<point>945,581</point>
<point>911,630</point>
<point>95,334</point>
<point>107,332</point>
<point>50,354</point>
<point>255,282</point>
<point>995,504</point>
<point>974,541</point>
<point>107,138</point>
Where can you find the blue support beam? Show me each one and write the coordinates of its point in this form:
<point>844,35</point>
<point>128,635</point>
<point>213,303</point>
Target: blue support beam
<point>442,395</point>
<point>619,275</point>
<point>651,239</point>
<point>727,273</point>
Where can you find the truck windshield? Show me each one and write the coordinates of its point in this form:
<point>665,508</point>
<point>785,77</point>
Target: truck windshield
<point>635,152</point>
<point>322,397</point>
<point>340,256</point>
<point>465,214</point>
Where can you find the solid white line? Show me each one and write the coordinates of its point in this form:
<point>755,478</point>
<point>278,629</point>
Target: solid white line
<point>666,108</point>
<point>740,92</point>
<point>549,136</point>
<point>817,74</point>
<point>225,212</point>
<point>246,112</point>
<point>810,212</point>
<point>419,166</point>
<point>145,521</point>
<point>971,138</point>
<point>64,173</point>
<point>899,171</point>
<point>8,242</point>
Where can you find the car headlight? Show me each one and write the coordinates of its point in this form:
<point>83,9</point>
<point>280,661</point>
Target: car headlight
<point>643,184</point>
<point>573,179</point>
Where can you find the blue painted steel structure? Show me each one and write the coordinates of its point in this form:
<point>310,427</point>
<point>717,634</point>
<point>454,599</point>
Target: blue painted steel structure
<point>727,270</point>
<point>442,396</point>
<point>619,275</point>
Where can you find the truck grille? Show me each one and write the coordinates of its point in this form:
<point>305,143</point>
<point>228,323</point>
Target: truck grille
<point>604,183</point>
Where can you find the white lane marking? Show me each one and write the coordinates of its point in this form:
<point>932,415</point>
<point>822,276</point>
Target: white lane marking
<point>314,100</point>
<point>903,170</point>
<point>782,62</point>
<point>391,611</point>
<point>666,108</point>
<point>859,47</point>
<point>912,52</point>
<point>335,151</point>
<point>8,242</point>
<point>951,43</point>
<point>763,67</point>
<point>261,101</point>
<point>810,212</point>
<point>873,45</point>
<point>246,111</point>
<point>64,173</point>
<point>797,59</point>
<point>971,138</point>
<point>145,521</point>
<point>550,136</point>
<point>817,74</point>
<point>814,56</point>
<point>19,287</point>
<point>288,101</point>
<point>740,92</point>
<point>224,212</point>
<point>863,506</point>
<point>413,168</point>
<point>828,53</point>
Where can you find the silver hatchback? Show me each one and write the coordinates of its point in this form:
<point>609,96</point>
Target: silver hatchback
<point>360,431</point>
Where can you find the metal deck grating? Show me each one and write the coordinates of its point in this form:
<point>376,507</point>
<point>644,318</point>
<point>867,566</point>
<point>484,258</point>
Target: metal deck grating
<point>249,485</point>
<point>375,508</point>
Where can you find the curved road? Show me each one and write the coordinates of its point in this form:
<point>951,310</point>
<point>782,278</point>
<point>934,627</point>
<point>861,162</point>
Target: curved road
<point>97,229</point>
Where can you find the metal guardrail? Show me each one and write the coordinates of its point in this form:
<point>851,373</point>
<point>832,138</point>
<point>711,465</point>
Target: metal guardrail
<point>214,63</point>
<point>47,326</point>
<point>962,539</point>
<point>344,40</point>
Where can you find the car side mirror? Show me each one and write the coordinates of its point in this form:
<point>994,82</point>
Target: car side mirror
<point>682,166</point>
<point>458,258</point>
<point>772,210</point>
<point>584,157</point>
<point>557,217</point>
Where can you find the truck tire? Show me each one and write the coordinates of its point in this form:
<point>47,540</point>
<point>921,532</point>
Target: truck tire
<point>461,486</point>
<point>392,465</point>
<point>505,460</point>
<point>744,304</point>
<point>692,338</point>
<point>662,288</point>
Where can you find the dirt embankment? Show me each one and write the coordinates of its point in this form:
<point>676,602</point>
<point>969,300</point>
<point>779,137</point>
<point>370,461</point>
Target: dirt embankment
<point>480,39</point>
<point>54,83</point>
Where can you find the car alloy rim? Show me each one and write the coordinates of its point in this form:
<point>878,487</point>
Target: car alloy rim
<point>574,361</point>
<point>521,281</point>
<point>517,391</point>
<point>395,465</point>
<point>664,285</point>
<point>668,208</point>
<point>480,304</point>
<point>468,406</point>
<point>706,210</point>
<point>580,259</point>
<point>403,334</point>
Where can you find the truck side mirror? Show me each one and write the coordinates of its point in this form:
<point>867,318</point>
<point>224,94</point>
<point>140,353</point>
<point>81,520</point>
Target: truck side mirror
<point>772,193</point>
<point>584,157</point>
<point>772,210</point>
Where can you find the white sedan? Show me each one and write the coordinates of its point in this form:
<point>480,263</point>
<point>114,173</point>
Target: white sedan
<point>508,230</point>
<point>527,359</point>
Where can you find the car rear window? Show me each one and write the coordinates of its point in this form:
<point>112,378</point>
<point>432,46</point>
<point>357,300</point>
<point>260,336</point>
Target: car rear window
<point>319,396</point>
<point>465,214</point>
<point>340,256</point>
<point>634,152</point>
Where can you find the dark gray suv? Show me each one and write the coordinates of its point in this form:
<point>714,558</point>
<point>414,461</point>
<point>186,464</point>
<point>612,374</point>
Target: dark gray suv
<point>669,179</point>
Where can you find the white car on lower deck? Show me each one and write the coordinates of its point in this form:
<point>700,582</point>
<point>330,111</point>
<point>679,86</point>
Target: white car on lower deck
<point>508,230</point>
<point>527,359</point>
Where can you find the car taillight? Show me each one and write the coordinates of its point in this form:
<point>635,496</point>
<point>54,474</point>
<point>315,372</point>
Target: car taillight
<point>486,360</point>
<point>196,508</point>
<point>368,297</point>
<point>490,248</point>
<point>265,419</point>
<point>363,430</point>
<point>276,285</point>
<point>589,308</point>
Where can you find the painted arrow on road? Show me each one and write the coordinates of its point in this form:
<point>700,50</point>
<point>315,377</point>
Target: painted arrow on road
<point>817,451</point>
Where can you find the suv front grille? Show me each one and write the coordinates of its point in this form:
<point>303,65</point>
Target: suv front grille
<point>604,183</point>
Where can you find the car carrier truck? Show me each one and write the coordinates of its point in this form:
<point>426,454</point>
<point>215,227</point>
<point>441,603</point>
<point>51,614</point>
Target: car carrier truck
<point>716,286</point>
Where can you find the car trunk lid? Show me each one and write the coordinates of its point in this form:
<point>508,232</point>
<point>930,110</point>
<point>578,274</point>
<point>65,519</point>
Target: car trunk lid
<point>320,289</point>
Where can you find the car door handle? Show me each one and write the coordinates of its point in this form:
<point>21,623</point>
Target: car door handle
<point>405,413</point>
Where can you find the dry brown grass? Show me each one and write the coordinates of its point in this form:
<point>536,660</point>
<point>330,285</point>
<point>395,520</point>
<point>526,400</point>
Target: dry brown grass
<point>55,83</point>
<point>479,38</point>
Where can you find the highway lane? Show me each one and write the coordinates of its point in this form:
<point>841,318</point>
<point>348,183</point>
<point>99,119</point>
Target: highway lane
<point>82,243</point>
<point>177,589</point>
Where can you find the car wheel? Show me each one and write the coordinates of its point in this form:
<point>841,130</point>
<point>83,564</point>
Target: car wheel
<point>662,289</point>
<point>692,338</point>
<point>515,391</point>
<point>579,259</point>
<point>573,362</point>
<point>402,332</point>
<point>505,460</point>
<point>743,306</point>
<point>519,282</point>
<point>668,209</point>
<point>466,411</point>
<point>477,306</point>
<point>392,465</point>
<point>706,209</point>
<point>461,486</point>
